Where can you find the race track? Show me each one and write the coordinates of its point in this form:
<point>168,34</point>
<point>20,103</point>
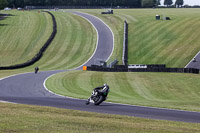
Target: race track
<point>28,88</point>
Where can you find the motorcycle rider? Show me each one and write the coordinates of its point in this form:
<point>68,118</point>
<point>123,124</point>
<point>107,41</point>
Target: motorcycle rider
<point>36,69</point>
<point>102,90</point>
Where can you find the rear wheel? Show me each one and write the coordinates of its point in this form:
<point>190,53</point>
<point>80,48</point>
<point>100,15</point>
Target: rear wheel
<point>98,100</point>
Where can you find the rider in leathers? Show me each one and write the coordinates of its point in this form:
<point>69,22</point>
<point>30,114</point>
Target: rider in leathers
<point>102,89</point>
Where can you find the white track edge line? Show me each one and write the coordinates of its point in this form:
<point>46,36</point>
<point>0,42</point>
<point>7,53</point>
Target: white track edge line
<point>44,84</point>
<point>1,101</point>
<point>97,43</point>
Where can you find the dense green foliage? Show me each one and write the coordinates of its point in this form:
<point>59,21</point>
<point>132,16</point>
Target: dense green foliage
<point>149,3</point>
<point>100,3</point>
<point>168,2</point>
<point>128,3</point>
<point>179,3</point>
<point>3,3</point>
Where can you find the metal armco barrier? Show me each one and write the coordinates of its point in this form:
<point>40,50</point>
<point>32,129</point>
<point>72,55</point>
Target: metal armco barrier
<point>40,53</point>
<point>172,70</point>
<point>125,45</point>
<point>160,68</point>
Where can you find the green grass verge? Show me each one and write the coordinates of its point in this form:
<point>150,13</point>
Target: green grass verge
<point>25,118</point>
<point>177,91</point>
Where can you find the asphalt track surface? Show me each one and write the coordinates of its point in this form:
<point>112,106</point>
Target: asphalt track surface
<point>29,88</point>
<point>194,63</point>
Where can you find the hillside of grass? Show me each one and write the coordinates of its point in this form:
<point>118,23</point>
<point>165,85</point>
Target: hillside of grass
<point>31,119</point>
<point>75,37</point>
<point>22,35</point>
<point>73,45</point>
<point>166,90</point>
<point>150,41</point>
<point>173,42</point>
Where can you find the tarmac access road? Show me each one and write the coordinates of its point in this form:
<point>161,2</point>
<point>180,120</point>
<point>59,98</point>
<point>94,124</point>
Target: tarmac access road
<point>28,88</point>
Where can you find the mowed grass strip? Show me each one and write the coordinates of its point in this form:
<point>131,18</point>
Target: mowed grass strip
<point>22,34</point>
<point>167,90</point>
<point>73,45</point>
<point>164,42</point>
<point>26,118</point>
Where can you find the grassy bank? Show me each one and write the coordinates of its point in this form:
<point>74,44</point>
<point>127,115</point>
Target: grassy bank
<point>168,90</point>
<point>22,35</point>
<point>75,37</point>
<point>24,118</point>
<point>173,42</point>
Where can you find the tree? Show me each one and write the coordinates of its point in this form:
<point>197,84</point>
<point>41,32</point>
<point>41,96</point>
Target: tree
<point>148,3</point>
<point>106,3</point>
<point>158,2</point>
<point>3,3</point>
<point>179,3</point>
<point>168,2</point>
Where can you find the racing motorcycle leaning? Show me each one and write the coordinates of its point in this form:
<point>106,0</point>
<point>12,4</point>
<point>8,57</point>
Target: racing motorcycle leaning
<point>99,95</point>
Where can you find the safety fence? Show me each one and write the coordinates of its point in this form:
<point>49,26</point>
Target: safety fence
<point>125,45</point>
<point>152,68</point>
<point>40,53</point>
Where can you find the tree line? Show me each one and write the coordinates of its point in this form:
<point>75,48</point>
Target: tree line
<point>101,3</point>
<point>155,3</point>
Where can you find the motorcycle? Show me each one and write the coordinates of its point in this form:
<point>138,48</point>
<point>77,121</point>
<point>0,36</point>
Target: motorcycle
<point>97,97</point>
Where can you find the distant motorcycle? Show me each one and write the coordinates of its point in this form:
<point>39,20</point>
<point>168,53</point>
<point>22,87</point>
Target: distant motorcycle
<point>98,95</point>
<point>36,70</point>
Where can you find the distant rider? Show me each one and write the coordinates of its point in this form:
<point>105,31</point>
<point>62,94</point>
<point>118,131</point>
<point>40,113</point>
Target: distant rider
<point>102,89</point>
<point>36,69</point>
<point>194,60</point>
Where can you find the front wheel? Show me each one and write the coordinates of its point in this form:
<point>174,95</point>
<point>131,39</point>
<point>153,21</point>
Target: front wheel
<point>99,100</point>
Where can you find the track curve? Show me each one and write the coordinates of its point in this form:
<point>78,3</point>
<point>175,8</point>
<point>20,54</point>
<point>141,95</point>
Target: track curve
<point>28,88</point>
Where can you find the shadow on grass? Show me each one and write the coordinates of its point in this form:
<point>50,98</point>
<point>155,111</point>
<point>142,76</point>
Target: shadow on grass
<point>5,16</point>
<point>3,24</point>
